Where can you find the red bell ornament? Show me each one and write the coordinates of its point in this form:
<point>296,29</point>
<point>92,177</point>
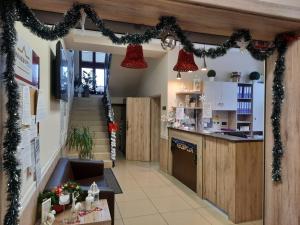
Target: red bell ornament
<point>185,62</point>
<point>134,58</point>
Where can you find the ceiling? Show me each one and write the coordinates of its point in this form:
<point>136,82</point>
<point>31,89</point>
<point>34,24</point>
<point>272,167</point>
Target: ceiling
<point>94,41</point>
<point>264,18</point>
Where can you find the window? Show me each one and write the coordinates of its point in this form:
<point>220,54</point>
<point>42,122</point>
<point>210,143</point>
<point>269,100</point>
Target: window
<point>92,65</point>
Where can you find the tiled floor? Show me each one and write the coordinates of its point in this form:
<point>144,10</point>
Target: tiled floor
<point>151,197</point>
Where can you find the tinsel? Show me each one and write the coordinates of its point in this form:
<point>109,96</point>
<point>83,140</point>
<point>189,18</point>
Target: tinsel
<point>12,135</point>
<point>281,43</point>
<point>12,10</point>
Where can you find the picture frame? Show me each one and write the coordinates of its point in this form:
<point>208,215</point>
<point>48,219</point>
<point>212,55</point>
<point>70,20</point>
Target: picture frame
<point>196,84</point>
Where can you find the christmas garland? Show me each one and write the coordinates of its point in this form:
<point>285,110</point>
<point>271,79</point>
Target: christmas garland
<point>12,10</point>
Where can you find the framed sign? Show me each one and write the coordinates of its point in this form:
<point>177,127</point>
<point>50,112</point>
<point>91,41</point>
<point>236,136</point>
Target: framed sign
<point>27,65</point>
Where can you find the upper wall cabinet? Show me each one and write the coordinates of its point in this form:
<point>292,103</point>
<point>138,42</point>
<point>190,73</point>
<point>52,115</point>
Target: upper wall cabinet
<point>221,95</point>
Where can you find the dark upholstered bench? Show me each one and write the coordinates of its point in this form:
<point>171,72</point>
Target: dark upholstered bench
<point>83,172</point>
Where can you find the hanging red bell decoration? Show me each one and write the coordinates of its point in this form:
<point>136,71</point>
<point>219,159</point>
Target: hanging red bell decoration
<point>185,62</point>
<point>134,58</point>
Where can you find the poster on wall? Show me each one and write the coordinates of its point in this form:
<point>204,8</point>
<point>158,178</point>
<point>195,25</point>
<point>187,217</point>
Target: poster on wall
<point>27,64</point>
<point>207,110</point>
<point>23,64</point>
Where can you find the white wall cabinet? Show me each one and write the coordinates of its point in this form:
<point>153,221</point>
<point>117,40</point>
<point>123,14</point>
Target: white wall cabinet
<point>221,95</point>
<point>258,106</point>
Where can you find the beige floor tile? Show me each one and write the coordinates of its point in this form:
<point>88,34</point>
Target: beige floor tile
<point>214,216</point>
<point>151,182</point>
<point>145,220</point>
<point>169,204</point>
<point>188,217</point>
<point>117,212</point>
<point>259,222</point>
<point>131,195</point>
<point>119,222</point>
<point>155,192</point>
<point>136,208</point>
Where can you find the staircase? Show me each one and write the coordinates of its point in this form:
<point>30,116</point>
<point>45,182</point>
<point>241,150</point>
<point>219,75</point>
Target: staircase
<point>88,112</point>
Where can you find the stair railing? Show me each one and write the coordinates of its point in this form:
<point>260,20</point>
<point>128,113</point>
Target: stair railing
<point>111,124</point>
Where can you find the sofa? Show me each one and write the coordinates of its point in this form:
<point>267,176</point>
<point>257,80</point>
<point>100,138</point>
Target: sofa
<point>83,172</point>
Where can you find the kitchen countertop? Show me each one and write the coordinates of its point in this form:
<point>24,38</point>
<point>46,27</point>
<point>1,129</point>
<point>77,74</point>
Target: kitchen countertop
<point>222,135</point>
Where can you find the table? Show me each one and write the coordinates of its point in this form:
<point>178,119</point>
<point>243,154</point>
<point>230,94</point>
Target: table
<point>101,217</point>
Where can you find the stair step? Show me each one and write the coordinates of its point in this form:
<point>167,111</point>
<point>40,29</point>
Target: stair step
<point>98,128</point>
<point>107,163</point>
<point>98,148</point>
<point>80,123</point>
<point>87,117</point>
<point>100,135</point>
<point>96,155</point>
<point>101,141</point>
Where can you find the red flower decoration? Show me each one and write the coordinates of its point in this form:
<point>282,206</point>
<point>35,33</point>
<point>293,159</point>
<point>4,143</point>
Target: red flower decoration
<point>58,190</point>
<point>113,127</point>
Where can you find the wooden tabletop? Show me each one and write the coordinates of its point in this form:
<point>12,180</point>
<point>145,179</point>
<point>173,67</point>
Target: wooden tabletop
<point>101,217</point>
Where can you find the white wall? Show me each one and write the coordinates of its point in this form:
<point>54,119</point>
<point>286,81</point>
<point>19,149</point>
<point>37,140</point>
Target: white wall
<point>50,127</point>
<point>123,82</point>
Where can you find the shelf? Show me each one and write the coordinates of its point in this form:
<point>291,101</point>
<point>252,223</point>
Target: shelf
<point>189,93</point>
<point>245,84</point>
<point>243,122</point>
<point>195,108</point>
<point>240,99</point>
<point>246,114</point>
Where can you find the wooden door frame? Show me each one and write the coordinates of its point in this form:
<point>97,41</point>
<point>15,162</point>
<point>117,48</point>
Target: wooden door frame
<point>155,131</point>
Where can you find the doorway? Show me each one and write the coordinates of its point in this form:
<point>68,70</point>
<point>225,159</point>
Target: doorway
<point>155,128</point>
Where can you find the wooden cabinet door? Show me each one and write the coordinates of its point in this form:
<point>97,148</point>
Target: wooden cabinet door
<point>210,169</point>
<point>138,129</point>
<point>225,174</point>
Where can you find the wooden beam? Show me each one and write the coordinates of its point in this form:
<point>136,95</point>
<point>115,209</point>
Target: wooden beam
<point>122,28</point>
<point>193,17</point>
<point>282,200</point>
<point>286,9</point>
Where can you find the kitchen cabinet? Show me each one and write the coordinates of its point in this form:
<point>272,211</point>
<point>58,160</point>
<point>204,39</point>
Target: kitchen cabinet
<point>225,172</point>
<point>232,177</point>
<point>210,169</point>
<point>258,106</point>
<point>221,95</point>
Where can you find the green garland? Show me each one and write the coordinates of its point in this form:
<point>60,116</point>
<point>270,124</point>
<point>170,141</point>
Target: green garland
<point>12,10</point>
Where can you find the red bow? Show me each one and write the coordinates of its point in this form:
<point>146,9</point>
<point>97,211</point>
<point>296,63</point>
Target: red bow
<point>113,127</point>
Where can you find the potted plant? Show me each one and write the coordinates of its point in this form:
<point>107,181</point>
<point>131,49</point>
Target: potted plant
<point>254,76</point>
<point>81,140</point>
<point>235,76</point>
<point>211,75</point>
<point>77,84</point>
<point>87,80</point>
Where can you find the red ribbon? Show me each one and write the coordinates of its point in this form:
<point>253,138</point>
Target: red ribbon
<point>113,127</point>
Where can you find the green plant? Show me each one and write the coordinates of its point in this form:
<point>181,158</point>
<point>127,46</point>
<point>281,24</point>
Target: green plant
<point>254,75</point>
<point>211,73</point>
<point>81,140</point>
<point>87,80</point>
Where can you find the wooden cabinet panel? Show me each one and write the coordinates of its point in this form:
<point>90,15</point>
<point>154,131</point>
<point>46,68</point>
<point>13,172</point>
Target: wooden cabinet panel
<point>225,172</point>
<point>163,159</point>
<point>210,169</point>
<point>138,129</point>
<point>155,128</point>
